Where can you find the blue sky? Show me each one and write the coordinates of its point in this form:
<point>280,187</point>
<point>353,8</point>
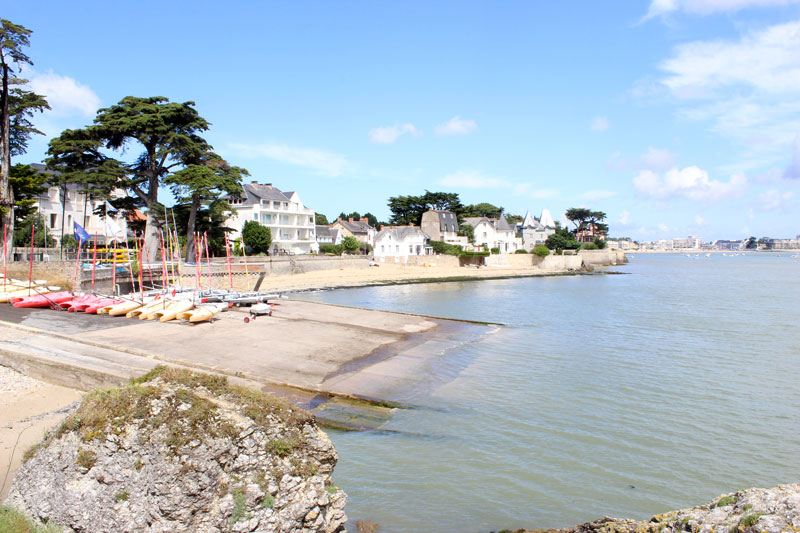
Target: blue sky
<point>675,117</point>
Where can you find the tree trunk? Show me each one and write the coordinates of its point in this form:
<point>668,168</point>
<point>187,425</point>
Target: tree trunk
<point>6,194</point>
<point>190,244</point>
<point>151,236</point>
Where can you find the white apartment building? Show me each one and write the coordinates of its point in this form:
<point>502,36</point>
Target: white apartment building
<point>61,206</point>
<point>290,222</point>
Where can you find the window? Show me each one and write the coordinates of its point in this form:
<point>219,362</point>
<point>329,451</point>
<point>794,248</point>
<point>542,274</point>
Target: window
<point>411,248</point>
<point>255,217</point>
<point>266,218</point>
<point>53,220</point>
<point>284,219</point>
<point>276,205</point>
<point>383,248</point>
<point>397,248</point>
<point>286,205</point>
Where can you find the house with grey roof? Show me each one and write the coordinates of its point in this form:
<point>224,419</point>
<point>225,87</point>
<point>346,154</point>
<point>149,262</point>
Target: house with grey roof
<point>533,231</point>
<point>495,233</point>
<point>62,205</point>
<point>401,242</point>
<point>328,235</point>
<point>360,229</point>
<point>442,225</point>
<point>290,222</point>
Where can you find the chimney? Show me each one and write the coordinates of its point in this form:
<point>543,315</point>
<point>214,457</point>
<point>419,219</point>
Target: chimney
<point>254,182</point>
<point>268,185</point>
<point>350,220</point>
<point>382,226</point>
<point>365,220</point>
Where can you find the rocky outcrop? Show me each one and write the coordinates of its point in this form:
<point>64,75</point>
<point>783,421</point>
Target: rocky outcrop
<point>754,510</point>
<point>177,451</point>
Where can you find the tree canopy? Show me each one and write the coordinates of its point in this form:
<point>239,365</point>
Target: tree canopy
<point>409,209</point>
<point>166,135</point>
<point>16,107</point>
<point>584,218</point>
<point>201,183</point>
<point>482,210</point>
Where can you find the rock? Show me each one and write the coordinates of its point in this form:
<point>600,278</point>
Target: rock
<point>182,452</point>
<point>772,510</point>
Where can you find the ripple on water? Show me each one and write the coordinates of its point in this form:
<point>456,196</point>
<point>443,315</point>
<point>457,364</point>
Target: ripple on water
<point>678,380</point>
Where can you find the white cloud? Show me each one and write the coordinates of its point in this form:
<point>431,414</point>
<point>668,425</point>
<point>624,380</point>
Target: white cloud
<point>749,90</point>
<point>659,159</point>
<point>660,8</point>
<point>389,134</point>
<point>764,60</point>
<point>66,96</point>
<point>599,124</point>
<point>544,193</point>
<point>473,180</point>
<point>322,163</point>
<point>456,126</point>
<point>691,183</point>
<point>663,227</point>
<point>699,220</point>
<point>655,159</point>
<point>625,218</point>
<point>773,199</point>
<point>793,170</point>
<point>593,196</point>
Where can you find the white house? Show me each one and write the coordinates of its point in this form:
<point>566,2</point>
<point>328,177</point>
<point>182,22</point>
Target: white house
<point>495,233</point>
<point>401,242</point>
<point>60,206</point>
<point>290,222</point>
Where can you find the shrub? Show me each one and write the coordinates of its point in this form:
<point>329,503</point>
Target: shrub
<point>750,520</point>
<point>443,248</point>
<point>521,251</point>
<point>474,254</point>
<point>257,238</point>
<point>541,250</point>
<point>495,250</point>
<point>350,244</point>
<point>589,246</point>
<point>334,249</point>
<point>122,496</point>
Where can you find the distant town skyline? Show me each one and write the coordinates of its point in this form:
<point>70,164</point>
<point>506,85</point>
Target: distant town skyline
<point>675,117</point>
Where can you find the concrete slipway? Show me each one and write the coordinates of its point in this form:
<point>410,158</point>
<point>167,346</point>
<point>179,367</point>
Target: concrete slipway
<point>338,362</point>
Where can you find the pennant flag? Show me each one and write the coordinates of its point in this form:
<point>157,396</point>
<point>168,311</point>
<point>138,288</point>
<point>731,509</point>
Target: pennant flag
<point>79,232</point>
<point>110,208</point>
<point>113,229</point>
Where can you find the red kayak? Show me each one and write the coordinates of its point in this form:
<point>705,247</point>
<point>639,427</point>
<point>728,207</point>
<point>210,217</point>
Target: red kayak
<point>79,303</point>
<point>92,309</point>
<point>42,300</point>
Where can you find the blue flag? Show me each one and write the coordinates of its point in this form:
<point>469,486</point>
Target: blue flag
<point>80,233</point>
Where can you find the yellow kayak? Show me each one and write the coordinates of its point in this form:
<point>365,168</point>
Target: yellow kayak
<point>146,310</point>
<point>178,306</point>
<point>201,314</point>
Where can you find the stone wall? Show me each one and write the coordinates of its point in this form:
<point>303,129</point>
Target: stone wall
<point>603,257</point>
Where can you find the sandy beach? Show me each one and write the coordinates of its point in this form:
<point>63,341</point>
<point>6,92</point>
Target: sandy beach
<point>28,408</point>
<point>383,274</point>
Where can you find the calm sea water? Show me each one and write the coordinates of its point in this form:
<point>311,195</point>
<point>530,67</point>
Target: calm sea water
<point>621,395</point>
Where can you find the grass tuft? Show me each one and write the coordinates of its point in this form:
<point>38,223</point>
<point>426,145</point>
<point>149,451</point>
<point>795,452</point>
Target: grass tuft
<point>12,521</point>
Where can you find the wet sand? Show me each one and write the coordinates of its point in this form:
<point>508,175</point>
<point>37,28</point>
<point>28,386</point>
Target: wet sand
<point>28,408</point>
